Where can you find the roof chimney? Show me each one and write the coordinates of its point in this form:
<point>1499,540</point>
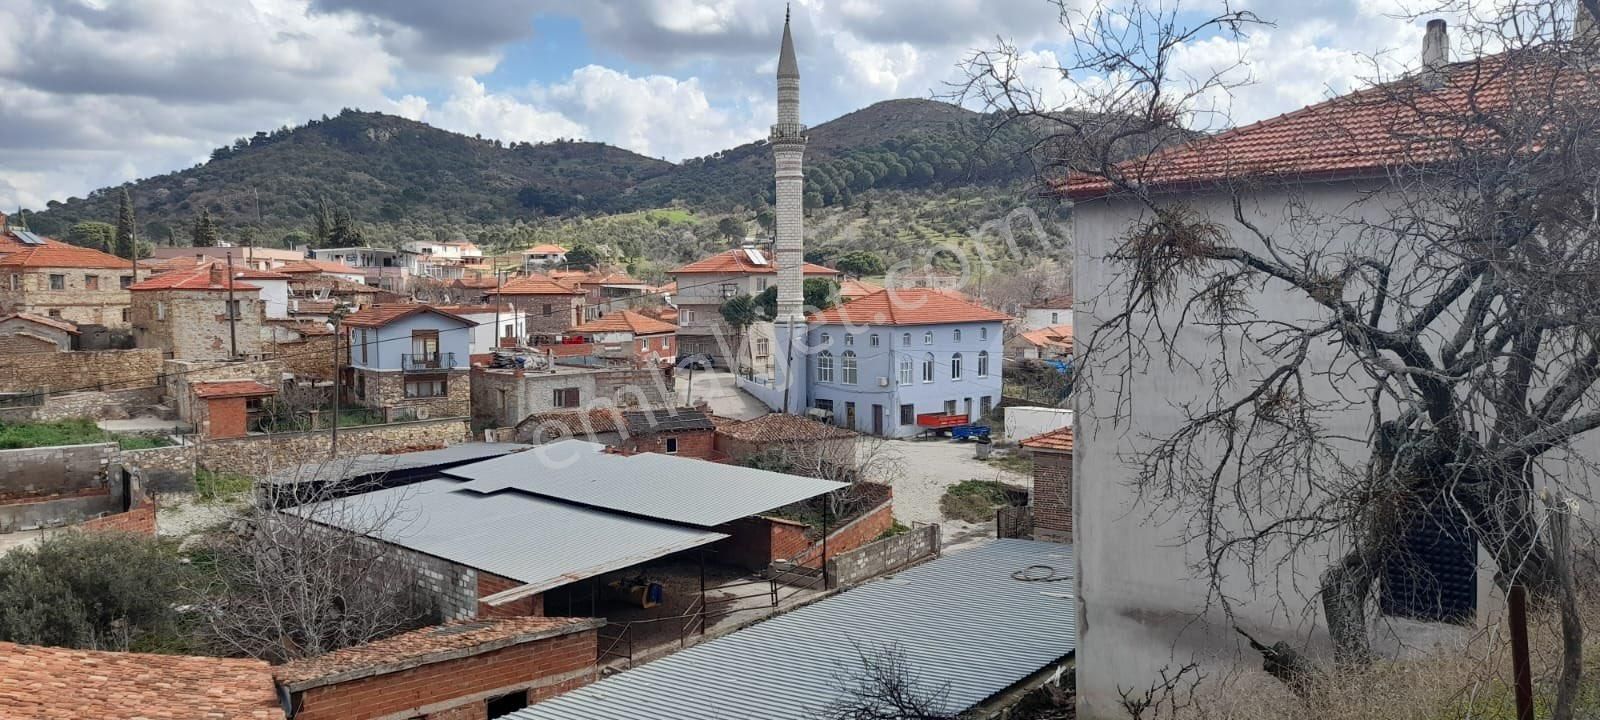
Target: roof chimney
<point>219,274</point>
<point>1435,52</point>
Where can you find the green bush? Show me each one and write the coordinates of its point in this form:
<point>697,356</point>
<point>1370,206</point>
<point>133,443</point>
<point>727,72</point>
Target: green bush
<point>74,431</point>
<point>108,591</point>
<point>217,486</point>
<point>973,501</point>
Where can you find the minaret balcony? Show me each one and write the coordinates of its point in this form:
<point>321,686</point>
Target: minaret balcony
<point>788,132</point>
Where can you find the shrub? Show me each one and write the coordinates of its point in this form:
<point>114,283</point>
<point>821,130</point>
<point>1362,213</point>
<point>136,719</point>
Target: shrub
<point>104,591</point>
<point>973,501</point>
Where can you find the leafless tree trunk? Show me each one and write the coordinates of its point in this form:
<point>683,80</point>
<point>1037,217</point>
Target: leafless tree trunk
<point>884,687</point>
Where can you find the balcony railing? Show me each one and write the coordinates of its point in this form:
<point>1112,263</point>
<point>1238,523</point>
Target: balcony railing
<point>427,362</point>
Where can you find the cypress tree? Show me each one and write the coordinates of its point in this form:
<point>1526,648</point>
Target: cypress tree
<point>126,245</point>
<point>323,221</point>
<point>205,231</point>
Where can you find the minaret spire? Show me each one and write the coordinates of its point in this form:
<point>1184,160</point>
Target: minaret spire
<point>788,142</point>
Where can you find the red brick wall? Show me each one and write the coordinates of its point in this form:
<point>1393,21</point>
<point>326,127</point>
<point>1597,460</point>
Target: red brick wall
<point>1052,495</point>
<point>701,444</point>
<point>489,584</point>
<point>140,520</point>
<point>858,532</point>
<point>788,539</point>
<point>473,711</point>
<point>227,418</point>
<point>544,667</point>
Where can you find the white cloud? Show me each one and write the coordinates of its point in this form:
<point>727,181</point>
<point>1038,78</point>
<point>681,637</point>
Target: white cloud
<point>473,110</point>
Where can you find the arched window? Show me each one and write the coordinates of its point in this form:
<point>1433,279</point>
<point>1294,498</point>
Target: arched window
<point>927,368</point>
<point>905,369</point>
<point>955,366</point>
<point>958,334</point>
<point>905,339</point>
<point>927,338</point>
<point>847,363</point>
<point>983,363</point>
<point>825,366</point>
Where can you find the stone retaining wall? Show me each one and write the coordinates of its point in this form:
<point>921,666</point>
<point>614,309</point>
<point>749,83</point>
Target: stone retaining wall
<point>80,370</point>
<point>262,455</point>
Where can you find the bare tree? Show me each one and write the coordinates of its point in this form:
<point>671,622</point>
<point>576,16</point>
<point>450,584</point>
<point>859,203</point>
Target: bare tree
<point>847,457</point>
<point>1453,309</point>
<point>298,583</point>
<point>884,687</point>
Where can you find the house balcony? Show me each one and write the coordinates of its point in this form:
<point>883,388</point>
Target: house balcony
<point>427,362</point>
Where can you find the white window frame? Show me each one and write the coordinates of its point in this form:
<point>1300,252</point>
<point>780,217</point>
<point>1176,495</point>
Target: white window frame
<point>824,367</point>
<point>927,338</point>
<point>927,368</point>
<point>983,363</point>
<point>958,334</point>
<point>872,340</point>
<point>907,369</point>
<point>955,366</point>
<point>848,369</point>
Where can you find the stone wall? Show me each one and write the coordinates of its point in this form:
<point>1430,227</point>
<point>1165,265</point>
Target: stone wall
<point>95,405</point>
<point>75,302</point>
<point>885,556</point>
<point>179,375</point>
<point>262,455</point>
<point>79,370</point>
<point>193,324</point>
<point>386,391</point>
<point>311,357</point>
<point>503,398</point>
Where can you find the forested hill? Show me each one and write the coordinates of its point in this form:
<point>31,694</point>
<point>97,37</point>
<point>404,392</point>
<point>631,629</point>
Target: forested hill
<point>385,169</point>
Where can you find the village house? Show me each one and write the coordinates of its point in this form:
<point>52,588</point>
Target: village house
<point>378,267</point>
<point>274,286</point>
<point>689,432</point>
<point>408,361</point>
<point>1050,500</point>
<point>439,260</point>
<point>323,268</point>
<point>548,307</point>
<point>541,257</point>
<point>887,363</point>
<point>923,278</point>
<point>608,291</point>
<point>484,338</point>
<point>704,285</point>
<point>853,289</point>
<point>200,313</point>
<point>1047,343</point>
<point>505,397</point>
<point>1051,312</point>
<point>255,258</point>
<point>627,335</point>
<point>227,407</point>
<point>45,277</point>
<point>29,333</point>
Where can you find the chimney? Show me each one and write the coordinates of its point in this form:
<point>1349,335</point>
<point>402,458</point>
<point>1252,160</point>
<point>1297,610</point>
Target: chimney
<point>2,222</point>
<point>1435,53</point>
<point>219,274</point>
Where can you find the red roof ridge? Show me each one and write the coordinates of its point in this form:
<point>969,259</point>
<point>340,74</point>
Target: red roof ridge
<point>626,321</point>
<point>909,306</point>
<point>1058,440</point>
<point>381,314</point>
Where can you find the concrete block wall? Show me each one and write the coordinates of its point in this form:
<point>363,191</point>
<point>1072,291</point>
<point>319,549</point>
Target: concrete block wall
<point>881,557</point>
<point>31,473</point>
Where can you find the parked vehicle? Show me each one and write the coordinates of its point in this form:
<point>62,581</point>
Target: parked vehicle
<point>970,432</point>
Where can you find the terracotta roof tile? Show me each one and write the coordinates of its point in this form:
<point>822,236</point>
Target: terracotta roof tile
<point>535,285</point>
<point>1058,440</point>
<point>231,389</point>
<point>626,321</point>
<point>46,683</point>
<point>1055,302</point>
<point>42,320</point>
<point>9,242</point>
<point>578,423</point>
<point>1396,124</point>
<point>1055,335</point>
<point>381,315</point>
<point>545,249</point>
<point>421,647</point>
<point>737,261</point>
<point>309,266</point>
<point>852,289</point>
<point>209,276</point>
<point>912,306</point>
<point>240,271</point>
<point>782,427</point>
<point>315,283</point>
<point>61,255</point>
<point>475,283</point>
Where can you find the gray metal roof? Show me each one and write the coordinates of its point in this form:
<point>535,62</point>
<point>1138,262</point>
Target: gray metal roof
<point>540,542</point>
<point>667,487</point>
<point>355,466</point>
<point>961,623</point>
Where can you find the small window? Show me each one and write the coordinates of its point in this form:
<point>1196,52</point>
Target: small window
<point>763,347</point>
<point>688,316</point>
<point>55,313</point>
<point>985,405</point>
<point>908,414</point>
<point>949,407</point>
<point>958,334</point>
<point>672,446</point>
<point>849,339</point>
<point>58,282</point>
<point>161,310</point>
<point>91,282</point>
<point>426,388</point>
<point>729,290</point>
<point>761,284</point>
<point>824,339</point>
<point>549,309</point>
<point>125,281</point>
<point>983,333</point>
<point>872,340</point>
<point>955,366</point>
<point>983,363</point>
<point>927,338</point>
<point>825,366</point>
<point>566,398</point>
<point>125,314</point>
<point>847,365</point>
<point>16,281</point>
<point>1055,318</point>
<point>505,704</point>
<point>663,343</point>
<point>905,339</point>
<point>927,368</point>
<point>232,312</point>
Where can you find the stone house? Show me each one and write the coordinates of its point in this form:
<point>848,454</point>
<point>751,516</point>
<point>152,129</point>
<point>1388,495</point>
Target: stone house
<point>199,313</point>
<point>408,361</point>
<point>704,285</point>
<point>29,333</point>
<point>547,307</point>
<point>609,291</point>
<point>309,268</point>
<point>255,258</point>
<point>64,282</point>
<point>880,364</point>
<point>627,335</point>
<point>504,397</point>
<point>1051,498</point>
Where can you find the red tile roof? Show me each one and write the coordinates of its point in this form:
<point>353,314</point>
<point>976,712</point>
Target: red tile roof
<point>1055,335</point>
<point>737,261</point>
<point>1402,123</point>
<point>231,389</point>
<point>782,427</point>
<point>1058,440</point>
<point>209,276</point>
<point>545,249</point>
<point>381,315</point>
<point>46,683</point>
<point>241,271</point>
<point>318,266</point>
<point>535,285</point>
<point>1056,302</point>
<point>61,255</point>
<point>475,283</point>
<point>853,289</point>
<point>452,640</point>
<point>626,321</point>
<point>42,320</point>
<point>336,285</point>
<point>9,242</point>
<point>912,306</point>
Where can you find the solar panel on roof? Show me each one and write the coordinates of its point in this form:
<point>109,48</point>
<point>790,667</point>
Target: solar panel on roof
<point>28,238</point>
<point>756,258</point>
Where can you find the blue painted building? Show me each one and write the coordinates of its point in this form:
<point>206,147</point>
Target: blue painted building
<point>879,362</point>
<point>408,361</point>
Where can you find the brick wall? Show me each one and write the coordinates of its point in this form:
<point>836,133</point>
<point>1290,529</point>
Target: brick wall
<point>542,669</point>
<point>140,520</point>
<point>700,444</point>
<point>79,370</point>
<point>1052,496</point>
<point>225,418</point>
<point>489,584</point>
<point>179,375</point>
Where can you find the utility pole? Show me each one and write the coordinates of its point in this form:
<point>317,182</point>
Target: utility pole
<point>338,376</point>
<point>233,339</point>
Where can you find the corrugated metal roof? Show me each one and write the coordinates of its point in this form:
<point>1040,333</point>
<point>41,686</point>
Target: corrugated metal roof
<point>667,487</point>
<point>961,623</point>
<point>532,540</point>
<point>357,466</point>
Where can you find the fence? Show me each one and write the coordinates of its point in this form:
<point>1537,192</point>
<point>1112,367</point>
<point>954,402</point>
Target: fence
<point>1013,522</point>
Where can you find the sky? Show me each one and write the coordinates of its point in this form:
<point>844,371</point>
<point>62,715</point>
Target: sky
<point>94,93</point>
